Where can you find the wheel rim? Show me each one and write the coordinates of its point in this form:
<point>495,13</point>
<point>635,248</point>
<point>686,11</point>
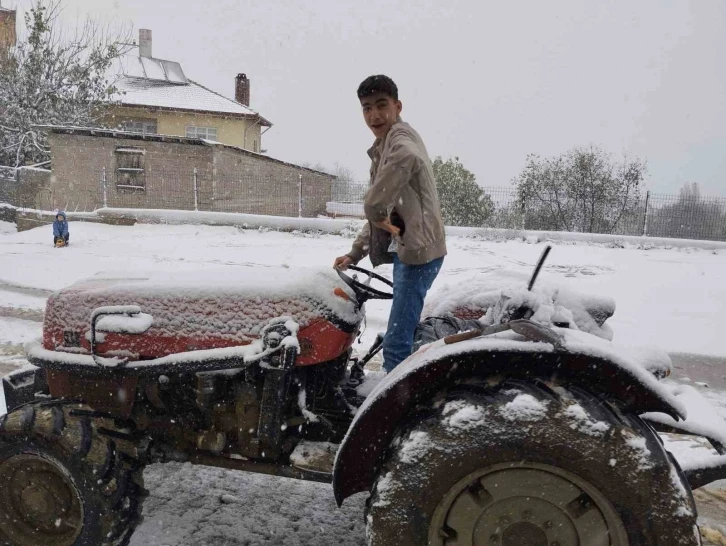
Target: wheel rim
<point>39,503</point>
<point>527,504</point>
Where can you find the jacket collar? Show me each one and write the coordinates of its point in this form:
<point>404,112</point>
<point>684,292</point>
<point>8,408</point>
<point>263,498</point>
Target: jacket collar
<point>374,152</point>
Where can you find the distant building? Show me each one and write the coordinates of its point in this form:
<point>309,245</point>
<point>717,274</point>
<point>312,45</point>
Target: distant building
<point>8,34</point>
<point>96,167</point>
<point>156,97</point>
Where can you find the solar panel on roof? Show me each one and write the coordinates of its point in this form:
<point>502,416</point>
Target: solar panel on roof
<point>174,72</point>
<point>153,69</point>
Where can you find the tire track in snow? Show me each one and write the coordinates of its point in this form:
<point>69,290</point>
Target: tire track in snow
<point>26,290</point>
<point>23,314</point>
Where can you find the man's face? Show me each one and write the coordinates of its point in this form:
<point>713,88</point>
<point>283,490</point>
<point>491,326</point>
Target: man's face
<point>60,218</point>
<point>380,112</point>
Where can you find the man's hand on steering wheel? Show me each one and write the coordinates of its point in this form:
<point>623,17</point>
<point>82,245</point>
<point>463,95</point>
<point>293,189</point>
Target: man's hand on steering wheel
<point>342,262</point>
<point>363,290</point>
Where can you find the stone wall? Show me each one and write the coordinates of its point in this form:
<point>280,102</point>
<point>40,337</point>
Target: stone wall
<point>26,220</point>
<point>7,213</point>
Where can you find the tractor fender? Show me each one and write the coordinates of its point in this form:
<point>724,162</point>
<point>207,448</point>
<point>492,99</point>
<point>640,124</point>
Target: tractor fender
<point>428,372</point>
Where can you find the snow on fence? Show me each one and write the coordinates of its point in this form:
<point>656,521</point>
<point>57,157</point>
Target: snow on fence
<point>348,226</point>
<point>306,193</point>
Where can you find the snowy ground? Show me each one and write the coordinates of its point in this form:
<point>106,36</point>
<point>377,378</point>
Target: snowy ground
<point>673,298</point>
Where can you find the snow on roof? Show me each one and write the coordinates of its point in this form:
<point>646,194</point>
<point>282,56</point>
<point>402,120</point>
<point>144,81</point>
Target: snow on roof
<point>190,96</point>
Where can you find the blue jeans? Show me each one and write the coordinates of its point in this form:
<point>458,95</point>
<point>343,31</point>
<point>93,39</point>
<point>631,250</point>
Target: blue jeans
<point>410,284</point>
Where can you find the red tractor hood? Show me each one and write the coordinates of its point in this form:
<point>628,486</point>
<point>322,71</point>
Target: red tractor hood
<point>198,310</point>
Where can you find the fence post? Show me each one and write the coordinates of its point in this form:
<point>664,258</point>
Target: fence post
<point>15,197</point>
<point>524,215</point>
<point>104,185</point>
<point>645,216</point>
<point>196,191</point>
<point>299,196</point>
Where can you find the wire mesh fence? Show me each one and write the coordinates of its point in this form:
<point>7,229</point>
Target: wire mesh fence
<point>308,193</point>
<point>652,214</point>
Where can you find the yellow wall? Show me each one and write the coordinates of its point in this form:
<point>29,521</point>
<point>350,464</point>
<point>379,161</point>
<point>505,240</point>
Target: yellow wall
<point>230,131</point>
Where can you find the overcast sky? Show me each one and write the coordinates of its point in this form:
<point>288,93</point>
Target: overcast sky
<point>488,81</point>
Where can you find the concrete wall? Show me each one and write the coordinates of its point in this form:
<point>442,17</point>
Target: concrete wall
<point>78,162</point>
<point>230,131</point>
<point>228,180</point>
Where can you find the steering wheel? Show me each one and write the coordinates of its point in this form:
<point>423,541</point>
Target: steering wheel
<point>363,292</point>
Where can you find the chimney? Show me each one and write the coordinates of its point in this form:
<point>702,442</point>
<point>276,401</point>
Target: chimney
<point>242,89</point>
<point>8,36</point>
<point>145,43</point>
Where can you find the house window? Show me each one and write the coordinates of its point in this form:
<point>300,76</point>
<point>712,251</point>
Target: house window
<point>254,146</point>
<point>130,172</point>
<point>143,126</point>
<point>209,133</point>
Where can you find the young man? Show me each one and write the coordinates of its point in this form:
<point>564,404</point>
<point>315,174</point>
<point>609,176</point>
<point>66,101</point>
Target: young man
<point>404,218</point>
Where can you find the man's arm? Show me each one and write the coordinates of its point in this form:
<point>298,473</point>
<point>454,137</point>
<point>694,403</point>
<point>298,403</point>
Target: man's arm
<point>361,245</point>
<point>390,179</point>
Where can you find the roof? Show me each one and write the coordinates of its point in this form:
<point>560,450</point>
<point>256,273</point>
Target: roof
<point>159,84</point>
<point>128,135</point>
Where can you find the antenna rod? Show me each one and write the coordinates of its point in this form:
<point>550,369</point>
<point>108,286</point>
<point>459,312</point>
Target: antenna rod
<point>540,263</point>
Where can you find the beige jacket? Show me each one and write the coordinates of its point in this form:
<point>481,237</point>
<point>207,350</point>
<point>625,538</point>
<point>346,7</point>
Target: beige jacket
<point>402,189</point>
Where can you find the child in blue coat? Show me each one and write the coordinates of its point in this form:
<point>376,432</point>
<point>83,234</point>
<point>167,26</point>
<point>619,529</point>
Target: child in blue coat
<point>60,229</point>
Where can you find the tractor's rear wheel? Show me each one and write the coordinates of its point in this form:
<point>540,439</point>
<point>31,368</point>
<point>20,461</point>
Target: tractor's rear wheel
<point>529,465</point>
<point>64,481</point>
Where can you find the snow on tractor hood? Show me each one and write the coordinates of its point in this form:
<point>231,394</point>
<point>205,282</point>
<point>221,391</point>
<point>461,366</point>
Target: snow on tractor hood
<point>481,297</point>
<point>233,303</point>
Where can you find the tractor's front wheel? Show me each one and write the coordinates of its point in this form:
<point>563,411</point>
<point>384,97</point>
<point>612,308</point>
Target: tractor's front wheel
<point>63,481</point>
<point>529,465</point>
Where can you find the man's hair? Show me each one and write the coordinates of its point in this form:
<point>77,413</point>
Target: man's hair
<point>373,85</point>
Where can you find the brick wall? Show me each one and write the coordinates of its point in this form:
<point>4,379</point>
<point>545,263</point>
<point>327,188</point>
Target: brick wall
<point>228,179</point>
<point>78,162</point>
<point>8,35</point>
<point>255,184</point>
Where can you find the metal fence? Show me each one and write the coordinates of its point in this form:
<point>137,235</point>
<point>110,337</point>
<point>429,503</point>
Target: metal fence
<point>309,193</point>
<point>651,214</point>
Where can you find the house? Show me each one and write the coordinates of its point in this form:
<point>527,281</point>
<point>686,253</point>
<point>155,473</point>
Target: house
<point>92,168</point>
<point>155,97</point>
<point>8,35</point>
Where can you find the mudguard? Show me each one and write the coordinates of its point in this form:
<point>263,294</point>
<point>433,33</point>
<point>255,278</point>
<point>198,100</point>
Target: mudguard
<point>437,367</point>
<point>21,386</point>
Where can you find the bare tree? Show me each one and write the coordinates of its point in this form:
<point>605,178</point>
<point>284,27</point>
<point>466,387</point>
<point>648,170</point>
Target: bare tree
<point>54,78</point>
<point>582,190</point>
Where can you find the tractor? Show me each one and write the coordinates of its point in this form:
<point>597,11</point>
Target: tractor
<point>514,421</point>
